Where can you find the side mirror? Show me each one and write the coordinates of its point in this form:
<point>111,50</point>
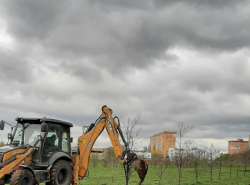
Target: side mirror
<point>2,125</point>
<point>44,127</point>
<point>71,139</point>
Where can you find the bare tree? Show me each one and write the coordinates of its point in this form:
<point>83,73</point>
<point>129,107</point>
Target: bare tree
<point>220,164</point>
<point>238,163</point>
<point>231,162</point>
<point>160,165</point>
<point>212,153</point>
<point>131,130</point>
<point>182,144</point>
<point>197,158</point>
<point>245,160</point>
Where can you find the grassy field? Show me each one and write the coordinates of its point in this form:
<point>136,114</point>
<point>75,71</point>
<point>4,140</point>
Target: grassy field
<point>101,175</point>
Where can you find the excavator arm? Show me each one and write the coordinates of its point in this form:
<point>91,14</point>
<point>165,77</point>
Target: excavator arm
<point>87,140</point>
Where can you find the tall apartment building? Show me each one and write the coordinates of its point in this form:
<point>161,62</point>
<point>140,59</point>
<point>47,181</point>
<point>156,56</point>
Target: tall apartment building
<point>239,146</point>
<point>162,142</point>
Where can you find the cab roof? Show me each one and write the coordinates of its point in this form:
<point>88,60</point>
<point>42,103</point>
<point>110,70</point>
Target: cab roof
<point>40,120</point>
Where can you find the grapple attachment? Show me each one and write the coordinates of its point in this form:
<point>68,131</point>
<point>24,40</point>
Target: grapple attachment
<point>140,166</point>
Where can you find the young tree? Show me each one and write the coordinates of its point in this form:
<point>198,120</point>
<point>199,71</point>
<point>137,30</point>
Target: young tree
<point>182,144</point>
<point>197,157</point>
<point>231,162</point>
<point>111,160</point>
<point>212,153</point>
<point>95,159</point>
<point>160,165</point>
<point>245,160</point>
<point>131,130</point>
<point>219,159</point>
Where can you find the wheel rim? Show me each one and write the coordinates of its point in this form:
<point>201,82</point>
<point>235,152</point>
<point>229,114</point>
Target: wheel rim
<point>62,176</point>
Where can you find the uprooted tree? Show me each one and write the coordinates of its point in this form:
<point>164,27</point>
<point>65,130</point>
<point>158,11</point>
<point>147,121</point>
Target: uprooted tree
<point>131,130</point>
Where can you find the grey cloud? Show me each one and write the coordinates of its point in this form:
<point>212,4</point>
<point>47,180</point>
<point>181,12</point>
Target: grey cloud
<point>77,56</point>
<point>117,35</point>
<point>32,19</point>
<point>216,4</point>
<point>14,68</point>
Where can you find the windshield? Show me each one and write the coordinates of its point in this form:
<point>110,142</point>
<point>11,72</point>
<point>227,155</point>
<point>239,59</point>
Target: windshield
<point>31,131</point>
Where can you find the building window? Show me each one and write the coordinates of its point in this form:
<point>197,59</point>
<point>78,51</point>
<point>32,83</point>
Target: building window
<point>234,148</point>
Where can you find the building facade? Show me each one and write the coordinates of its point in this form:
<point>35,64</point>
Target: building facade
<point>162,142</point>
<point>239,146</point>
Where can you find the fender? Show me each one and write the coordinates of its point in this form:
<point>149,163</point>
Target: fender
<point>28,168</point>
<point>58,155</point>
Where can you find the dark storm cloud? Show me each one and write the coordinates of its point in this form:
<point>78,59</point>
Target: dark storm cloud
<point>125,34</point>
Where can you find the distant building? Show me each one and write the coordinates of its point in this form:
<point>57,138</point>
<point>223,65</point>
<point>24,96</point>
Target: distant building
<point>171,153</point>
<point>143,154</point>
<point>239,146</point>
<point>162,142</point>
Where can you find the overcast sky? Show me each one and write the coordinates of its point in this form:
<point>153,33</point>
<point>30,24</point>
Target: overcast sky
<point>168,60</point>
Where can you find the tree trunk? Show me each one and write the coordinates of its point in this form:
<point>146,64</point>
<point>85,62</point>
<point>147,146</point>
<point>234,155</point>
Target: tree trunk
<point>220,170</point>
<point>238,169</point>
<point>196,173</point>
<point>245,169</point>
<point>160,174</point>
<point>179,174</point>
<point>230,170</point>
<point>211,172</point>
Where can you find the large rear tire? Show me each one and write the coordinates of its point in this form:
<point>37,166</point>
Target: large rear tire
<point>60,173</point>
<point>22,177</point>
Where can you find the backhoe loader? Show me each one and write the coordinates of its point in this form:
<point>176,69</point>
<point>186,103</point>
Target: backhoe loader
<point>39,151</point>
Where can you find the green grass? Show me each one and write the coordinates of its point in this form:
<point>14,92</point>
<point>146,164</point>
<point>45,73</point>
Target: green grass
<point>101,175</point>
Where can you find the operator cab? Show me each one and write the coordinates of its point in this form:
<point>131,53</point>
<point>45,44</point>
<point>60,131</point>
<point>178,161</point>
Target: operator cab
<point>55,135</point>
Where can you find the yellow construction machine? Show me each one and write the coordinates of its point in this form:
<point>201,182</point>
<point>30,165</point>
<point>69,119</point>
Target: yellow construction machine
<point>39,151</point>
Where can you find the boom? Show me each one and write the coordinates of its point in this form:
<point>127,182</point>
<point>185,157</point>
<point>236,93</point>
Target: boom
<point>87,140</point>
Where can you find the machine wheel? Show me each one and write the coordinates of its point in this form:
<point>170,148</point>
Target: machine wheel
<point>22,177</point>
<point>60,173</point>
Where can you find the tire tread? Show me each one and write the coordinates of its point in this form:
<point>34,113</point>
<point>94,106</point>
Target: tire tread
<point>15,178</point>
<point>54,170</point>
